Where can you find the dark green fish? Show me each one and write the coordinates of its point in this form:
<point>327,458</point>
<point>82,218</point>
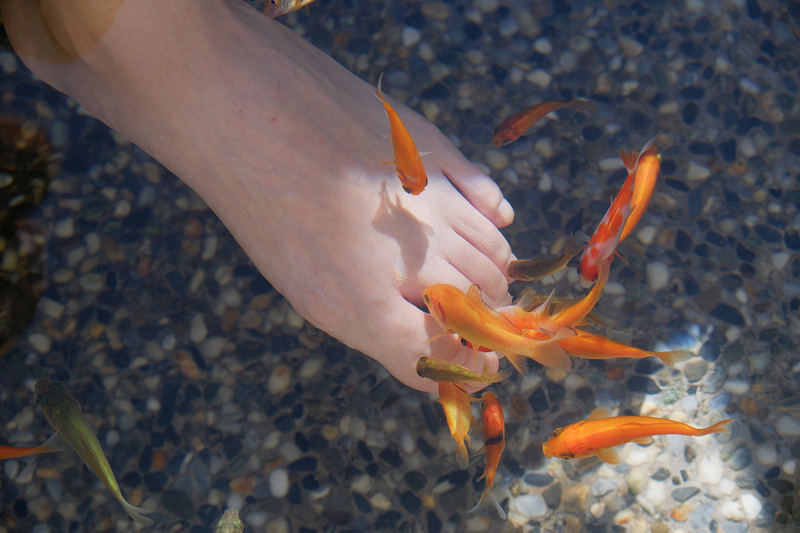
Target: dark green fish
<point>439,370</point>
<point>230,523</point>
<point>64,414</point>
<point>536,269</point>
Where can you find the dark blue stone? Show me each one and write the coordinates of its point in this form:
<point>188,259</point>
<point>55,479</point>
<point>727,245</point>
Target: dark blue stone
<point>284,423</point>
<point>792,240</point>
<point>754,10</point>
<point>743,253</point>
<point>295,495</point>
<point>703,25</point>
<point>772,473</point>
<point>231,446</point>
<point>561,7</point>
<point>648,366</point>
<point>676,184</point>
<point>728,150</point>
<point>208,514</point>
<point>364,451</point>
<point>410,503</point>
<point>436,91</point>
<point>146,459</point>
<point>642,384</point>
<point>538,480</point>
<point>426,449</point>
<point>155,481</point>
<point>744,124</point>
<point>178,503</point>
<point>391,456</point>
<point>304,464</point>
<point>683,243</point>
<point>361,503</point>
<point>472,31</point>
<point>591,133</point>
<point>715,239</point>
<point>700,148</point>
<point>729,118</point>
<point>691,287</point>
<point>693,92</point>
<point>416,20</point>
<point>538,401</point>
<point>301,442</point>
<point>431,420</point>
<point>767,233</point>
<point>728,314</point>
<point>21,508</point>
<point>130,479</point>
<point>434,523</point>
<point>415,480</point>
<point>689,113</point>
<point>284,343</point>
<point>691,49</point>
<point>309,482</point>
<point>767,47</point>
<point>388,520</point>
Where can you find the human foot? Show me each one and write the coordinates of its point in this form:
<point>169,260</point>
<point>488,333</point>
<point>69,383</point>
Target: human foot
<point>285,145</point>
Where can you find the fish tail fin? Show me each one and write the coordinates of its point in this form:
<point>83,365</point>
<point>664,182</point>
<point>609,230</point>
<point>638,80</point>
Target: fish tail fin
<point>554,356</point>
<point>716,428</point>
<point>462,455</point>
<point>488,490</point>
<point>675,356</point>
<point>500,376</point>
<point>380,93</point>
<point>137,513</point>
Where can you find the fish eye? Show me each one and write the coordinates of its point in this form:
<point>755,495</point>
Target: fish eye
<point>426,299</point>
<point>558,432</point>
<point>567,456</point>
<point>463,341</point>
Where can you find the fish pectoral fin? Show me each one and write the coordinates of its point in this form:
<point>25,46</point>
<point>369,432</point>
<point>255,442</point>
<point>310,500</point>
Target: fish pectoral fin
<point>423,154</point>
<point>388,162</point>
<point>643,440</point>
<point>616,252</point>
<point>517,361</point>
<point>599,413</point>
<point>609,455</point>
<point>437,337</point>
<point>53,444</point>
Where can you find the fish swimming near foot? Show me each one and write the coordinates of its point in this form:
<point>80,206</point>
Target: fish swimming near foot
<point>440,370</point>
<point>276,8</point>
<point>519,123</point>
<point>407,159</point>
<point>63,412</point>
<point>458,413</point>
<point>230,523</point>
<point>494,442</point>
<point>536,269</point>
<point>600,433</point>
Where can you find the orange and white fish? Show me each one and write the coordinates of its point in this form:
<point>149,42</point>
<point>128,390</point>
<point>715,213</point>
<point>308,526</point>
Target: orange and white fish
<point>458,412</point>
<point>494,441</point>
<point>608,234</point>
<point>592,346</point>
<point>519,123</point>
<point>276,8</point>
<point>407,159</point>
<point>53,444</point>
<point>647,166</point>
<point>600,433</point>
<point>469,317</point>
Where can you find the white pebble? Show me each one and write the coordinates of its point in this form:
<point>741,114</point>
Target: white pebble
<point>64,228</point>
<point>310,368</point>
<point>209,247</point>
<point>8,62</point>
<point>766,454</point>
<point>636,456</point>
<point>736,386</point>
<point>380,502</point>
<point>751,505</point>
<point>630,47</point>
<point>789,467</point>
<point>40,342</point>
<point>232,298</point>
<point>198,330</point>
<point>787,426</point>
<point>279,378</point>
<point>410,37</point>
<point>255,519</point>
<point>545,183</point>
<point>697,172</point>
<point>732,511</point>
<point>657,276</point>
<point>51,308</point>
<point>122,209</point>
<point>279,482</point>
<point>497,159</point>
<point>112,438</point>
<point>611,163</point>
<point>746,147</point>
<point>693,6</point>
<point>780,259</point>
<point>749,86</point>
<point>543,45</point>
<point>235,501</point>
<point>11,469</point>
<point>711,469</point>
<point>647,234</point>
<point>539,78</point>
<point>531,505</point>
<point>614,288</point>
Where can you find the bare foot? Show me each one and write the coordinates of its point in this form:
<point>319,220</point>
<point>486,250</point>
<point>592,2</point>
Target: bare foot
<point>285,145</point>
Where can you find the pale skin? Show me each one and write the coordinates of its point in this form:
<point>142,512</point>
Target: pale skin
<point>285,145</point>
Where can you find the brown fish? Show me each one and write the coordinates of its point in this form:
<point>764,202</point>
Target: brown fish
<point>536,269</point>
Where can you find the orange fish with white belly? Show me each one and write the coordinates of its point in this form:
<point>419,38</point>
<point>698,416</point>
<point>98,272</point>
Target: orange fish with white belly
<point>407,159</point>
<point>480,325</point>
<point>600,433</point>
<point>494,442</point>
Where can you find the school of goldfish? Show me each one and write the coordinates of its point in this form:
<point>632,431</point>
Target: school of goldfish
<point>546,330</point>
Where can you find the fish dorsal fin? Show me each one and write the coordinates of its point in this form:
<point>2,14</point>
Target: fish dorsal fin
<point>629,159</point>
<point>525,302</point>
<point>544,305</point>
<point>609,455</point>
<point>474,296</point>
<point>600,412</point>
<point>643,440</point>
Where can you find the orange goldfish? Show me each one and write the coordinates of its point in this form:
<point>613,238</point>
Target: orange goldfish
<point>536,269</point>
<point>539,320</point>
<point>467,316</point>
<point>608,234</point>
<point>458,412</point>
<point>53,444</point>
<point>519,123</point>
<point>648,165</point>
<point>592,346</point>
<point>494,441</point>
<point>407,159</point>
<point>600,433</point>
